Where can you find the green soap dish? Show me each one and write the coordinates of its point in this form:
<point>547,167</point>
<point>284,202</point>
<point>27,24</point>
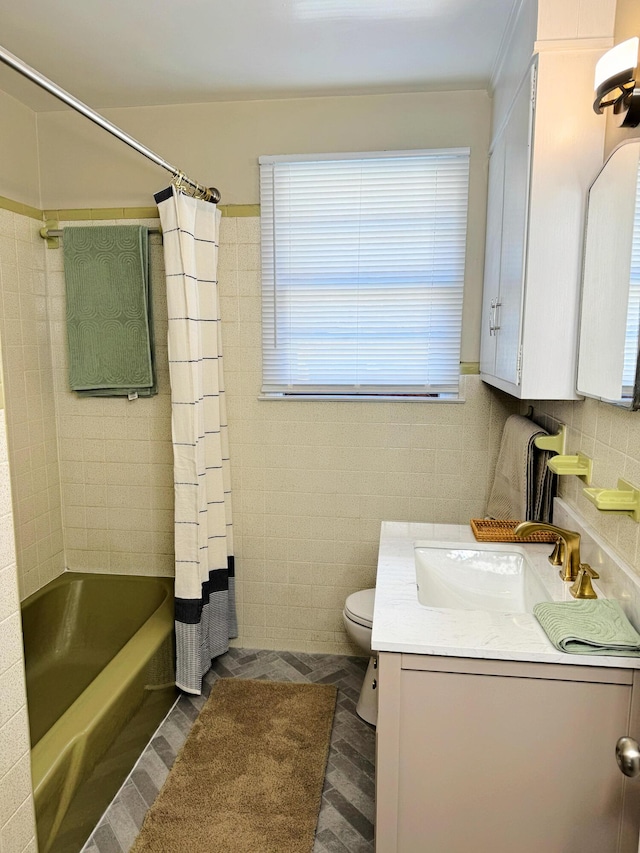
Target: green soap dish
<point>579,465</point>
<point>626,498</point>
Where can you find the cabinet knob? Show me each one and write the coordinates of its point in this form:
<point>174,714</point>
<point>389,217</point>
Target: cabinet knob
<point>628,756</point>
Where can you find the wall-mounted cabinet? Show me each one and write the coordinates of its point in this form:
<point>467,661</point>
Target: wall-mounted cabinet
<point>547,146</point>
<point>507,208</point>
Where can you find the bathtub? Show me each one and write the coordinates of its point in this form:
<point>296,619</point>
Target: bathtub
<point>99,659</point>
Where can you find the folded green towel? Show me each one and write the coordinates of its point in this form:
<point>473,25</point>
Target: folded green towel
<point>591,627</point>
<point>109,321</point>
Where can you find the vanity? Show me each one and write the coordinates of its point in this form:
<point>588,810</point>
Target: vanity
<point>488,738</point>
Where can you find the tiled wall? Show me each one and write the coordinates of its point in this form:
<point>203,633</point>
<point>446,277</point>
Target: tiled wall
<point>116,459</point>
<point>313,480</point>
<point>17,826</point>
<point>31,423</point>
<point>611,437</point>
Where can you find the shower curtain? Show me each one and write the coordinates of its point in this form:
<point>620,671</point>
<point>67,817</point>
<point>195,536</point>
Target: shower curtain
<point>205,595</point>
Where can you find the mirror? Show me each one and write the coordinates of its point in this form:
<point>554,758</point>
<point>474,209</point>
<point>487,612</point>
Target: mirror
<point>610,310</point>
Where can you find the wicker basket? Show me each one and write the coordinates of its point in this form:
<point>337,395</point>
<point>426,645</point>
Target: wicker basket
<point>491,530</point>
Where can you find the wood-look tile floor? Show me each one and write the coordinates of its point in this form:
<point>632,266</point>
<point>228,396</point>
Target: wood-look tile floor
<point>345,824</point>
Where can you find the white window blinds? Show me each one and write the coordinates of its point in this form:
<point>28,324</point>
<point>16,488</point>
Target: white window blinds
<point>363,271</point>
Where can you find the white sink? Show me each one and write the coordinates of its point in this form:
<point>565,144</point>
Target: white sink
<point>477,576</point>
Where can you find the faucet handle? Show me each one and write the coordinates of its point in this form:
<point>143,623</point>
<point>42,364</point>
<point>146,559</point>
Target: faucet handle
<point>556,557</point>
<point>582,587</point>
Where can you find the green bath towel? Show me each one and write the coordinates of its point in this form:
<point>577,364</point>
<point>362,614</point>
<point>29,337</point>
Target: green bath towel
<point>109,322</point>
<point>591,627</point>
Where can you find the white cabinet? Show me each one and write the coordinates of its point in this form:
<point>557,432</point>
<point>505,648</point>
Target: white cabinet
<point>507,208</point>
<point>502,756</point>
<point>547,148</point>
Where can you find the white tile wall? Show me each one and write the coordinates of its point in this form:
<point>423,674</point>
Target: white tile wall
<point>30,409</point>
<point>116,459</point>
<point>313,480</point>
<point>17,821</point>
<point>611,437</point>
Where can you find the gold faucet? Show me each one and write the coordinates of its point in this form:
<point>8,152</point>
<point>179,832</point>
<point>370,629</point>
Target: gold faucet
<point>567,555</point>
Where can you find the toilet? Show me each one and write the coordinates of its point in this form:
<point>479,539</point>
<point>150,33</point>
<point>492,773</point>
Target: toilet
<point>358,619</point>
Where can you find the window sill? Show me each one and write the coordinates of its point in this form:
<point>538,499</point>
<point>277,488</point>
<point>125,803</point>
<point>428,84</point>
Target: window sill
<point>356,398</point>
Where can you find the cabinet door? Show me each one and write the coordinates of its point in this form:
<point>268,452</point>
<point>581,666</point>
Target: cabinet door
<point>517,169</point>
<point>504,764</point>
<point>492,258</point>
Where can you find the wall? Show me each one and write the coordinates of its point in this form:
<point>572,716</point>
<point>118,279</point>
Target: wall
<point>19,180</point>
<point>311,481</point>
<point>219,143</point>
<point>31,416</point>
<point>19,167</point>
<point>611,437</point>
<point>17,825</point>
<point>116,459</point>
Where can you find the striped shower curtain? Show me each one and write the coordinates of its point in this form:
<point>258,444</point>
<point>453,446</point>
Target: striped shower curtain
<point>205,596</point>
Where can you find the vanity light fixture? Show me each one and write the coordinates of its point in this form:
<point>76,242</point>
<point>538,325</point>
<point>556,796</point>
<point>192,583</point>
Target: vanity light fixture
<point>615,83</point>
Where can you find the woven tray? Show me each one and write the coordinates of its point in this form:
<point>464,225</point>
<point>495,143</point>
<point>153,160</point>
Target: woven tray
<point>489,530</point>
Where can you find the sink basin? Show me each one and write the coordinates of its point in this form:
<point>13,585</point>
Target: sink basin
<point>477,576</point>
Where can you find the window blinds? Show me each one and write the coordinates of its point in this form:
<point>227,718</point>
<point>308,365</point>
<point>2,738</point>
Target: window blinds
<point>363,270</point>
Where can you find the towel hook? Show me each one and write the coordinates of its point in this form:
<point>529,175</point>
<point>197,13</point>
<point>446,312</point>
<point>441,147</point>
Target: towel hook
<point>554,443</point>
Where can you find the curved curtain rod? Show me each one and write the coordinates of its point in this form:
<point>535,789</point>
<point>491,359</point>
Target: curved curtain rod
<point>200,191</point>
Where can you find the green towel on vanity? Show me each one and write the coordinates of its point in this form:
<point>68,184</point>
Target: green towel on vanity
<point>109,321</point>
<point>589,627</point>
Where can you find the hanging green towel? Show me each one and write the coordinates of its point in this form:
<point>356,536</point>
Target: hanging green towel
<point>589,627</point>
<point>109,320</point>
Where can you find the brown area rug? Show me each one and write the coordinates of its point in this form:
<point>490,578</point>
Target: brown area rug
<point>249,777</point>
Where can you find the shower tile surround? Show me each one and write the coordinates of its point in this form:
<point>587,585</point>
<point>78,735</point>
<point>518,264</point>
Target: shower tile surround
<point>30,405</point>
<point>116,458</point>
<point>17,823</point>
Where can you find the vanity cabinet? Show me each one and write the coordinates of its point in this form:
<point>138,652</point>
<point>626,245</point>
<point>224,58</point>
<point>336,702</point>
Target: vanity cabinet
<point>503,756</point>
<point>547,147</point>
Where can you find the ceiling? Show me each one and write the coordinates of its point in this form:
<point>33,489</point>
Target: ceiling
<point>136,53</point>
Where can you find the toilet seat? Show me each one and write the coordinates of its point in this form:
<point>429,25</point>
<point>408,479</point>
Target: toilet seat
<point>359,607</point>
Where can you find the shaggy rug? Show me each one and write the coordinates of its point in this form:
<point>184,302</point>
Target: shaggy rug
<point>249,777</point>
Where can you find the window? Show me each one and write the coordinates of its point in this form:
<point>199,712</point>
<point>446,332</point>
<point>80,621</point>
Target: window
<point>363,272</point>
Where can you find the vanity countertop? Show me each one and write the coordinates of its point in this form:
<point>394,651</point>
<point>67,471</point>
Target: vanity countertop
<point>402,624</point>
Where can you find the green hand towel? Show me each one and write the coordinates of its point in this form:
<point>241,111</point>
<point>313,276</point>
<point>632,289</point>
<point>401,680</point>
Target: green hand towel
<point>109,330</point>
<point>589,627</point>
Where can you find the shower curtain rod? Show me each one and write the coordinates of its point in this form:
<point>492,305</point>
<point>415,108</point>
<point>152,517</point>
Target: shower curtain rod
<point>200,191</point>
